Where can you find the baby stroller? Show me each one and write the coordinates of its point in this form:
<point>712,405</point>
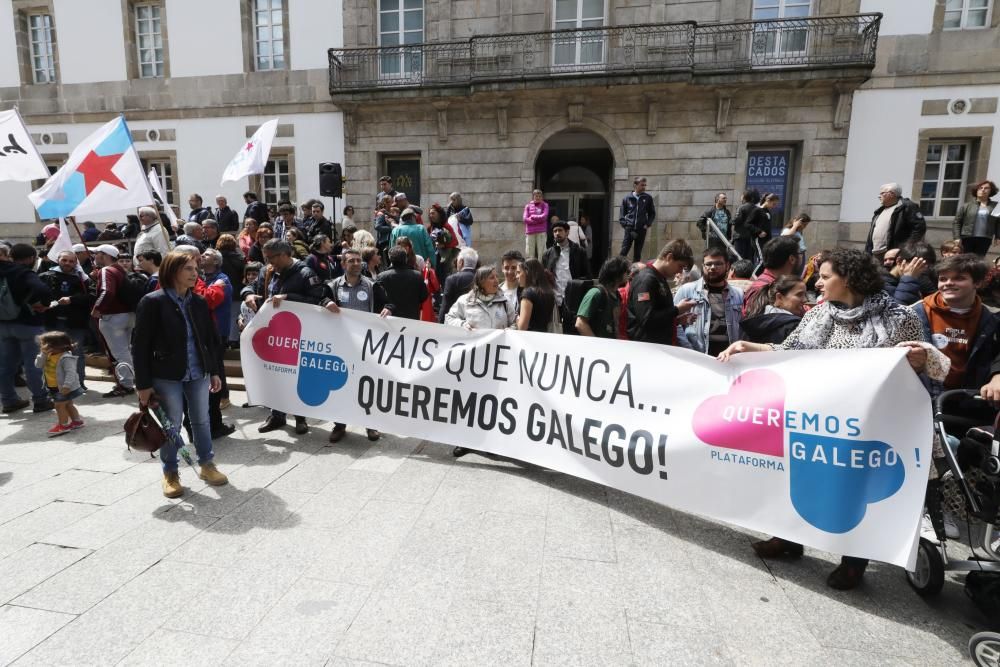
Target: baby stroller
<point>969,490</point>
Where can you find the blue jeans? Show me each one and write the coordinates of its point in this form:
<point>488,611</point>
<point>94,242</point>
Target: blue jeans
<point>172,394</point>
<point>18,348</point>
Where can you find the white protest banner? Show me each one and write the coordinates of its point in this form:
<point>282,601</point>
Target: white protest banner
<point>828,448</point>
<point>19,159</point>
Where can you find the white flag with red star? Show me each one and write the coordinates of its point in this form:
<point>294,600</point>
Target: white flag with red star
<point>253,156</point>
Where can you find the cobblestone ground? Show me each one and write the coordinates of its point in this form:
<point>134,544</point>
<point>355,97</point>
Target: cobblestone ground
<point>396,553</point>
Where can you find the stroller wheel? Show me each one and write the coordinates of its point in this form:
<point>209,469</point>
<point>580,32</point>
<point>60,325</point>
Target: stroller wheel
<point>928,577</point>
<point>984,649</point>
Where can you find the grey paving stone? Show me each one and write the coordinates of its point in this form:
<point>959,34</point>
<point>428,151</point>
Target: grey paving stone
<point>389,632</point>
<point>118,485</point>
<point>84,584</point>
<point>169,647</point>
<point>655,644</point>
<point>25,569</point>
<point>33,452</point>
<point>341,499</point>
<point>504,560</point>
<point>44,491</point>
<point>304,626</point>
<point>36,525</point>
<point>102,456</point>
<point>481,632</point>
<point>317,471</point>
<point>579,528</point>
<point>386,455</point>
<point>413,482</point>
<point>23,628</point>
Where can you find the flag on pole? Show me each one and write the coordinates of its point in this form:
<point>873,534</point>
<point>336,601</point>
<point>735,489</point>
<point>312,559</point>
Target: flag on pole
<point>19,159</point>
<point>154,182</point>
<point>61,243</point>
<point>253,156</point>
<point>102,175</point>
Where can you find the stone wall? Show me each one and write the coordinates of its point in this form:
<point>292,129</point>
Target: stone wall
<point>681,150</point>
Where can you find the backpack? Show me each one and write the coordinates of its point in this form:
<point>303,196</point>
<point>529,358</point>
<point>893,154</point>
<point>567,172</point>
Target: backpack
<point>9,309</point>
<point>132,289</point>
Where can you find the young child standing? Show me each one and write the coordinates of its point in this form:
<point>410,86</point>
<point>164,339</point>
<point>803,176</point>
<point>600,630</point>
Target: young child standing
<point>58,364</point>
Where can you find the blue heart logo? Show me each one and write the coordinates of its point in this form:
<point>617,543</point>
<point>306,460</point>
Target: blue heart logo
<point>833,480</point>
<point>319,374</point>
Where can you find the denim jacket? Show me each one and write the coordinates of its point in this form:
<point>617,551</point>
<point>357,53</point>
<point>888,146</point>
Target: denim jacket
<point>695,335</point>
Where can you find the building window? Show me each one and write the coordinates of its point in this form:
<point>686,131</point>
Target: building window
<point>149,40</point>
<point>583,48</point>
<point>400,22</point>
<point>276,182</point>
<point>269,34</point>
<point>41,35</point>
<point>966,14</point>
<point>780,39</point>
<point>946,170</point>
<point>165,170</point>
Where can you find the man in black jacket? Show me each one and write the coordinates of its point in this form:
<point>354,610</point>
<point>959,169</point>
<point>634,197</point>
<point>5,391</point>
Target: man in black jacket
<point>228,219</point>
<point>285,278</point>
<point>895,222</point>
<point>72,315</point>
<point>652,315</point>
<point>720,215</point>
<point>566,260</point>
<point>255,209</point>
<point>198,212</point>
<point>459,282</point>
<point>404,287</point>
<point>637,215</point>
<point>321,225</point>
<point>28,298</point>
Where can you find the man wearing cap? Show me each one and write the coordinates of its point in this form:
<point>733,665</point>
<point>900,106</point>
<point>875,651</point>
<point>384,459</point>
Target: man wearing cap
<point>84,263</point>
<point>116,320</point>
<point>408,226</point>
<point>152,235</point>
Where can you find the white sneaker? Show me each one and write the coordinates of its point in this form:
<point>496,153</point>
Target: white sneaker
<point>951,530</point>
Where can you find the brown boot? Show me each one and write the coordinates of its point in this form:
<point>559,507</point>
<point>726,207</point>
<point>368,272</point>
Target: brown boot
<point>777,548</point>
<point>172,485</point>
<point>211,474</point>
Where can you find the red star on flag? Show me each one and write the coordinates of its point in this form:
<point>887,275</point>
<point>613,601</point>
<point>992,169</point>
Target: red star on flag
<point>249,146</point>
<point>96,169</point>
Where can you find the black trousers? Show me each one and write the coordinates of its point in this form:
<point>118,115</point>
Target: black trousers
<point>977,245</point>
<point>635,239</point>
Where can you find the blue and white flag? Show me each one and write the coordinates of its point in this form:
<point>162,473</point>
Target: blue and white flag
<point>103,175</point>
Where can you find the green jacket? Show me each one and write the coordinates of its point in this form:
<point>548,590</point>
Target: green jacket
<point>421,240</point>
<point>965,220</point>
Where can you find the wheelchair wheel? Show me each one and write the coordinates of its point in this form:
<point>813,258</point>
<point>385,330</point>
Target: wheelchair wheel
<point>928,577</point>
<point>984,649</point>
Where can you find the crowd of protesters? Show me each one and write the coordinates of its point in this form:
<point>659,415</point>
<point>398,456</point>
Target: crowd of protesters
<point>164,315</point>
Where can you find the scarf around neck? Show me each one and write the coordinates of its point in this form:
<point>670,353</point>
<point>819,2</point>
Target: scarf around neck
<point>878,317</point>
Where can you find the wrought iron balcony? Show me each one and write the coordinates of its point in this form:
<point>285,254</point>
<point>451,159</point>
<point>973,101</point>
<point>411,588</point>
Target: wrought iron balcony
<point>686,48</point>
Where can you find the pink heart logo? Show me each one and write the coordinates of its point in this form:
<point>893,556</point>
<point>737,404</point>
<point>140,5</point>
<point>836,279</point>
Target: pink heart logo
<point>278,342</point>
<point>749,418</point>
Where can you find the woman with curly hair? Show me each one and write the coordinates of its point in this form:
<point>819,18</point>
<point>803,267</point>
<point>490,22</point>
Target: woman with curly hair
<point>855,314</point>
<point>976,225</point>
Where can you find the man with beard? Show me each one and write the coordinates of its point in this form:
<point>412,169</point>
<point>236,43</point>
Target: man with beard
<point>716,313</point>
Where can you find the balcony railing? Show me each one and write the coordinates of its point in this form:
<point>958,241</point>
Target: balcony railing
<point>808,43</point>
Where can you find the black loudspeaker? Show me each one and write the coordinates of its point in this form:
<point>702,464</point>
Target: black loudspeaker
<point>331,180</point>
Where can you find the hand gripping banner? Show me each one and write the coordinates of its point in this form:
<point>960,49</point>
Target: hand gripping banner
<point>828,448</point>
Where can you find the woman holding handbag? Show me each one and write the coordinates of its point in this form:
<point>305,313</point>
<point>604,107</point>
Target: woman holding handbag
<point>176,360</point>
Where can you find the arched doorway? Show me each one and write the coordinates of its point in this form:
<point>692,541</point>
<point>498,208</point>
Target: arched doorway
<point>574,169</point>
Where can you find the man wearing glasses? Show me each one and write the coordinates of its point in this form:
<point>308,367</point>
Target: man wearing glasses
<point>714,322</point>
<point>897,220</point>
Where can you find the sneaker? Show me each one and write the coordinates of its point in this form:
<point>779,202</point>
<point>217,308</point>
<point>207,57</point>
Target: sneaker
<point>338,433</point>
<point>118,391</point>
<point>777,548</point>
<point>172,485</point>
<point>14,407</point>
<point>927,529</point>
<point>272,423</point>
<point>301,427</point>
<point>59,429</point>
<point>373,435</point>
<point>76,423</point>
<point>951,530</point>
<point>211,474</point>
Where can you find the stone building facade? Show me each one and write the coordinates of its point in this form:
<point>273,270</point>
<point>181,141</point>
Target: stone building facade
<point>699,97</point>
<point>928,116</point>
<point>194,80</point>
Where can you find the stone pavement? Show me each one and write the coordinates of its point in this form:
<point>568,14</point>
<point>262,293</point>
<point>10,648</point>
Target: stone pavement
<point>396,553</point>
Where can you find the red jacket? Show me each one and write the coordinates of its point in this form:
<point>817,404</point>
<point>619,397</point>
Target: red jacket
<point>433,287</point>
<point>108,279</point>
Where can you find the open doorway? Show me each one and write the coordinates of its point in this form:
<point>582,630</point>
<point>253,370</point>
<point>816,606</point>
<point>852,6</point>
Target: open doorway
<point>574,170</point>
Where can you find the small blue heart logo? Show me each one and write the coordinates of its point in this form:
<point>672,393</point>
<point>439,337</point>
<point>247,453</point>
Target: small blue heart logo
<point>319,374</point>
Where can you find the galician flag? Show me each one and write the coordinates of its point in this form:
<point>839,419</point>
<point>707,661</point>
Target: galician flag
<point>19,159</point>
<point>253,155</point>
<point>103,175</point>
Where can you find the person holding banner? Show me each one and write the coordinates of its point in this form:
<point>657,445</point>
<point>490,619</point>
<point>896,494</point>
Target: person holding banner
<point>855,313</point>
<point>484,307</point>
